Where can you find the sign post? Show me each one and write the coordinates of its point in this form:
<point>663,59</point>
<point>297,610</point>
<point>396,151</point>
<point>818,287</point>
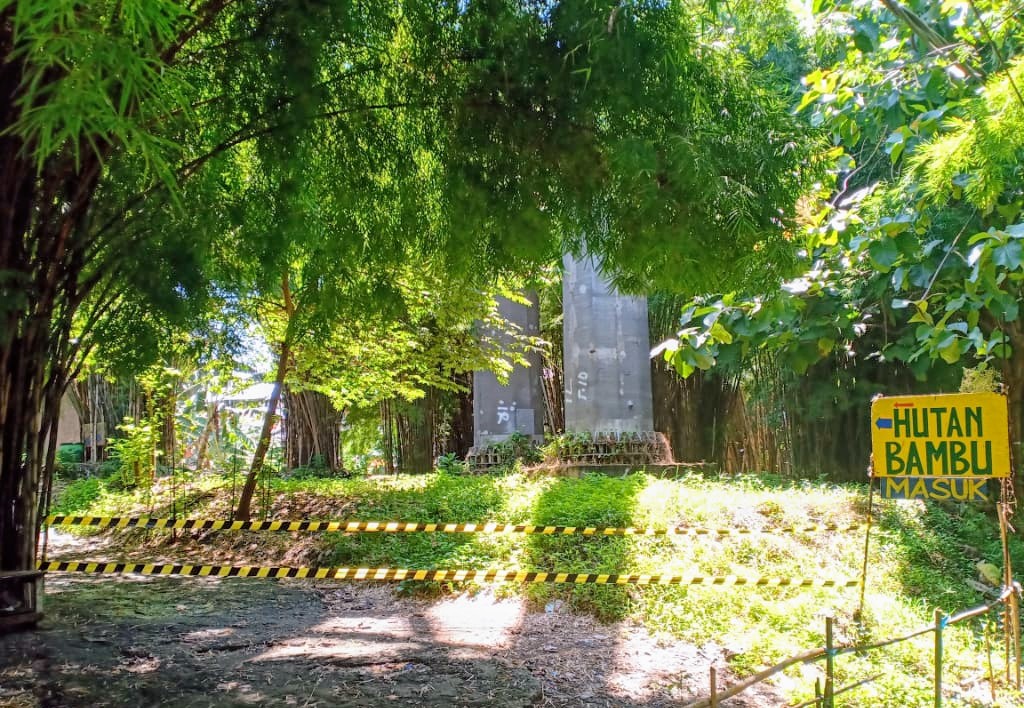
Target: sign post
<point>947,447</point>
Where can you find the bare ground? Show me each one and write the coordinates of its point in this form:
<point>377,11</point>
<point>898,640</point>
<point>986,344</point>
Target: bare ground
<point>129,641</point>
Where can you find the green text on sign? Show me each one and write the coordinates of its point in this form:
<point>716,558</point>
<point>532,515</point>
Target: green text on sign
<point>950,488</point>
<point>949,435</point>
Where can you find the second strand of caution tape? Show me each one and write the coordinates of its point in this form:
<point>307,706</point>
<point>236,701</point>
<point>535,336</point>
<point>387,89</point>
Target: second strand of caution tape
<point>123,522</point>
<point>399,574</point>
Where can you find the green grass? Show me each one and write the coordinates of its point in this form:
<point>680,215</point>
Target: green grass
<point>920,557</point>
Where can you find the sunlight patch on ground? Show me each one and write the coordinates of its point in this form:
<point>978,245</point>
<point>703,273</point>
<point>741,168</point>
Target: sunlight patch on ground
<point>642,668</point>
<point>350,640</point>
<point>202,635</point>
<point>477,621</point>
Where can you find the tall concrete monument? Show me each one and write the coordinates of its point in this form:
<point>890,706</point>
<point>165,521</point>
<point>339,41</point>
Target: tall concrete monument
<point>607,364</point>
<point>518,406</point>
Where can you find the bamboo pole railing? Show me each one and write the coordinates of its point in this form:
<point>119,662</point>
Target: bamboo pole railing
<point>830,652</point>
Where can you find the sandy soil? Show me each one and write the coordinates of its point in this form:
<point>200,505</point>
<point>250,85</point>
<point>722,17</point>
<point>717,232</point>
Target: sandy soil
<point>130,641</point>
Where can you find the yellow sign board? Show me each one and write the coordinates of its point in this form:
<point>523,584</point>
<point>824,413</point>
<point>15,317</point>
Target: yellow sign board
<point>948,435</point>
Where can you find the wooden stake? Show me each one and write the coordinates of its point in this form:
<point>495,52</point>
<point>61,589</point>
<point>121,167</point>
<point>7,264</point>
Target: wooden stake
<point>867,538</point>
<point>713,680</point>
<point>988,651</point>
<point>1015,618</point>
<point>939,622</point>
<point>830,665</point>
<point>1011,623</point>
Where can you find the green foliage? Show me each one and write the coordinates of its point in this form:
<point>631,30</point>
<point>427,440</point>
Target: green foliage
<point>71,453</point>
<point>468,136</point>
<point>516,450</point>
<point>93,77</point>
<point>136,452</point>
<point>568,443</point>
<point>590,501</point>
<point>316,469</point>
<point>980,381</point>
<point>172,167</point>
<point>79,496</point>
<point>449,463</point>
<point>913,248</point>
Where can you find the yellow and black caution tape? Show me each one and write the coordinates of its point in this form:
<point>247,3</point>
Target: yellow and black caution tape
<point>394,574</point>
<point>123,522</point>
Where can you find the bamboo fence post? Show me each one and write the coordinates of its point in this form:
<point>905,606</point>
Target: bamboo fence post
<point>1017,635</point>
<point>713,681</point>
<point>867,540</point>
<point>988,651</point>
<point>1014,612</point>
<point>830,664</point>
<point>1013,601</point>
<point>817,691</point>
<point>939,624</point>
<point>234,478</point>
<point>1011,629</point>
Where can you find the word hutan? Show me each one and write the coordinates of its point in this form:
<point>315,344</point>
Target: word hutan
<point>938,421</point>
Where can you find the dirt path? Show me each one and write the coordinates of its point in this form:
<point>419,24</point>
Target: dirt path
<point>128,641</point>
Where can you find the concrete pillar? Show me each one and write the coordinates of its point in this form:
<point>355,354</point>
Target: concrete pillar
<point>607,354</point>
<point>518,406</point>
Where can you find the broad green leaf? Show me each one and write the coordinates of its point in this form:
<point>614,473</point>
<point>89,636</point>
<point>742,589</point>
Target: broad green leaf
<point>1008,255</point>
<point>884,254</point>
<point>682,366</point>
<point>951,352</point>
<point>720,333</point>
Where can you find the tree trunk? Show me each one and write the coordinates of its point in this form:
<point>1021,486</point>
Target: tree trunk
<point>312,431</point>
<point>416,436</point>
<point>102,406</point>
<point>460,432</point>
<point>168,407</point>
<point>204,438</point>
<point>283,362</point>
<point>387,424</point>
<point>259,457</point>
<point>1013,380</point>
<point>42,251</point>
<point>554,394</point>
<point>45,246</point>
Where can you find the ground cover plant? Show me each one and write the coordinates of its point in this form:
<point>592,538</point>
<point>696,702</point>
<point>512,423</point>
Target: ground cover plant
<point>921,557</point>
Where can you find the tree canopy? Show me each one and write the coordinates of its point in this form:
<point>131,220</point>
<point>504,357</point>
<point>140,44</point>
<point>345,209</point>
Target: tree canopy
<point>160,157</point>
<point>912,247</point>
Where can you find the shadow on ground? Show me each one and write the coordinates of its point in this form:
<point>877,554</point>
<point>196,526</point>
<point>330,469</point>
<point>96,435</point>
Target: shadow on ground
<point>242,642</point>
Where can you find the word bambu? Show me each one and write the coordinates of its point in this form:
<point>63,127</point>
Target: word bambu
<point>935,458</point>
